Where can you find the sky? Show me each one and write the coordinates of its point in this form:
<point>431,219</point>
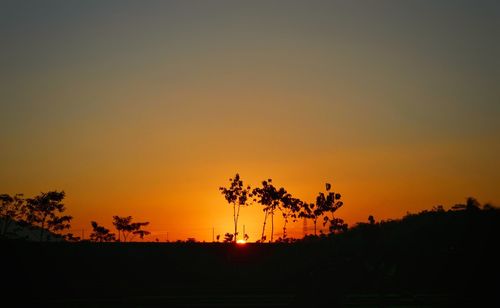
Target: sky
<point>145,108</point>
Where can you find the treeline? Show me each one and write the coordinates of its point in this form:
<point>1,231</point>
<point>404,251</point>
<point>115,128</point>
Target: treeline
<point>275,200</point>
<point>43,215</point>
<point>126,229</point>
<point>466,215</point>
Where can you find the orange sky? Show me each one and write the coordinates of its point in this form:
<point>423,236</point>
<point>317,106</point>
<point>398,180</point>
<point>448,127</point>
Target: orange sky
<point>145,110</point>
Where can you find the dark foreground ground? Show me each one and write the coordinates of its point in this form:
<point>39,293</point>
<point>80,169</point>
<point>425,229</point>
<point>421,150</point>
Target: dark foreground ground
<point>434,262</point>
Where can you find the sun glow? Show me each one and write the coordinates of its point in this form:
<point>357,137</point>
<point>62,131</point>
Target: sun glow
<point>241,242</point>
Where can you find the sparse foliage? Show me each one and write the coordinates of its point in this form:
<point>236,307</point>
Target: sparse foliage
<point>237,195</point>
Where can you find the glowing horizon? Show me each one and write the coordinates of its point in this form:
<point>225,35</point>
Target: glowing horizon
<point>146,109</point>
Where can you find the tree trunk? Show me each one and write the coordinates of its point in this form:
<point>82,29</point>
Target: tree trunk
<point>264,226</point>
<point>234,221</point>
<point>272,225</point>
<point>284,228</point>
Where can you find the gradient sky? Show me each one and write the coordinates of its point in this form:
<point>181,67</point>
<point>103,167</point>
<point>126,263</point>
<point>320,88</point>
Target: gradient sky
<point>145,108</point>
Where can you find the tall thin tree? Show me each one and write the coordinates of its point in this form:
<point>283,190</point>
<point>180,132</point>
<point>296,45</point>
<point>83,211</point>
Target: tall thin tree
<point>270,198</point>
<point>237,195</point>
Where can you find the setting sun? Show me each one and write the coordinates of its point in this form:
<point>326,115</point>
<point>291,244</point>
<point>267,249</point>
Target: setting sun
<point>241,242</point>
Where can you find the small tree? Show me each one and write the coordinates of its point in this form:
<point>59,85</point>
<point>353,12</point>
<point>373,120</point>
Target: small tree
<point>43,211</point>
<point>122,225</point>
<point>330,203</point>
<point>125,227</point>
<point>12,209</point>
<point>237,195</point>
<point>101,234</point>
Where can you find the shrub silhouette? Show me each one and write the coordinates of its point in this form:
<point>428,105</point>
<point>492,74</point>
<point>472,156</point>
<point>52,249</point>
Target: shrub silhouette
<point>371,220</point>
<point>101,234</point>
<point>228,237</point>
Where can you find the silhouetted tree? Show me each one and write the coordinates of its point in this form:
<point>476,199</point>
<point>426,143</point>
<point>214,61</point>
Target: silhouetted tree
<point>12,209</point>
<point>122,225</point>
<point>101,234</point>
<point>271,198</point>
<point>43,210</point>
<point>330,203</point>
<point>290,208</point>
<point>125,227</point>
<point>237,195</point>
